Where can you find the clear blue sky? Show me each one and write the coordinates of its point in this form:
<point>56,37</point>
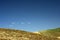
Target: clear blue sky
<point>30,15</point>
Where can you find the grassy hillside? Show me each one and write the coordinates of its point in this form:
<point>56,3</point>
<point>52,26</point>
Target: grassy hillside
<point>51,32</point>
<point>10,34</point>
<point>55,33</point>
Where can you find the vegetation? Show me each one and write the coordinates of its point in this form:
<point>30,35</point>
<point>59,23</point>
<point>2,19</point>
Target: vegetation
<point>51,33</point>
<point>10,34</point>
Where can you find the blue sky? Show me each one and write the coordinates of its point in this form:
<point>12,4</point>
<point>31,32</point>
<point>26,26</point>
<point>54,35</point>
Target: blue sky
<point>30,15</point>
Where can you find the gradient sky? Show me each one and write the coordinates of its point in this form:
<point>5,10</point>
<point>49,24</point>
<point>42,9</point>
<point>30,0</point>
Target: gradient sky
<point>30,15</point>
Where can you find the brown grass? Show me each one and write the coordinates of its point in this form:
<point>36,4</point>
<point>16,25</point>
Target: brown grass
<point>9,34</point>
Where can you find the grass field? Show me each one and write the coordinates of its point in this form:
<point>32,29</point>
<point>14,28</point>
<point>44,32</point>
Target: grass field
<point>11,34</point>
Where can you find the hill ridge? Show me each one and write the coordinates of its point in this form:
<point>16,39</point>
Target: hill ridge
<point>12,34</point>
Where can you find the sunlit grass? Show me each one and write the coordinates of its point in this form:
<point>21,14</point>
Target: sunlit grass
<point>10,34</point>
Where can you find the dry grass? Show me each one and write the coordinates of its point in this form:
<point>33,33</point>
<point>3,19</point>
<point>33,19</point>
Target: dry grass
<point>9,34</point>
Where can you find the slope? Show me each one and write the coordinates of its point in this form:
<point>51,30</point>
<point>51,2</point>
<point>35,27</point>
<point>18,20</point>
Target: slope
<point>10,34</point>
<point>53,33</point>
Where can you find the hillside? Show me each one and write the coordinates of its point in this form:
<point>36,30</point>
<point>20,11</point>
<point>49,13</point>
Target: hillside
<point>11,34</point>
<point>51,33</point>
